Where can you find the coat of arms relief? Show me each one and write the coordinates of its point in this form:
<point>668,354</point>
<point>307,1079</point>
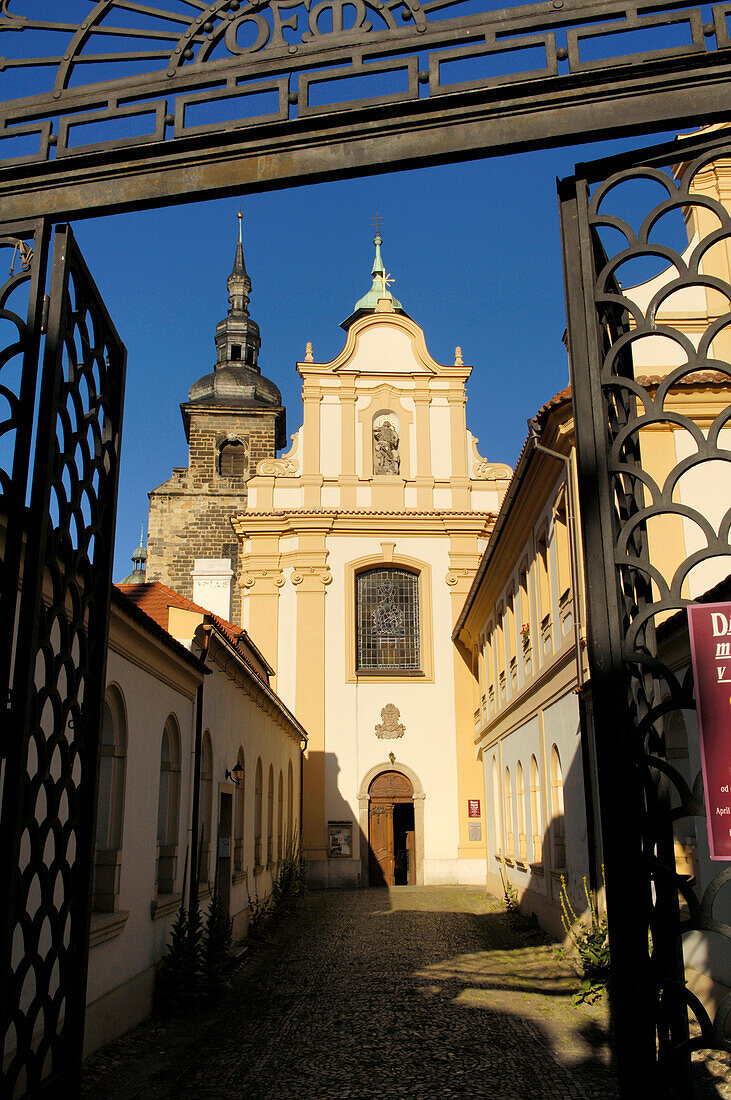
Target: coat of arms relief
<point>390,726</point>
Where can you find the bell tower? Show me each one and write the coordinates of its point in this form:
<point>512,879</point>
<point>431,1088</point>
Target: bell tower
<point>233,419</point>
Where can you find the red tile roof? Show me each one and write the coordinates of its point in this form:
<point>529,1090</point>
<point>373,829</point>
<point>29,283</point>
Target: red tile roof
<point>156,599</point>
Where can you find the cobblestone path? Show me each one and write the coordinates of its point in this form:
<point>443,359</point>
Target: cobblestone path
<point>420,992</point>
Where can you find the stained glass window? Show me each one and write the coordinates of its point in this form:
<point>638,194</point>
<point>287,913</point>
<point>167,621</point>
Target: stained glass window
<point>387,619</point>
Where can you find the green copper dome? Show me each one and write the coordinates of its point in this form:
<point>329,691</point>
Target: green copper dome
<point>369,302</point>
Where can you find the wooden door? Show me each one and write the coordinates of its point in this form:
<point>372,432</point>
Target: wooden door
<point>381,844</point>
<point>410,858</point>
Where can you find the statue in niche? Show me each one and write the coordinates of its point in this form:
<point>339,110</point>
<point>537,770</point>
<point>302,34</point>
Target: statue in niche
<point>386,458</point>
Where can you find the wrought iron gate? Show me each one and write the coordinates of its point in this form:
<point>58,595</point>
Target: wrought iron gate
<point>637,692</point>
<point>56,577</point>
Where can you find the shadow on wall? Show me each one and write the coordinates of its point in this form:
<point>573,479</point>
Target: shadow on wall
<point>567,847</point>
<point>345,866</point>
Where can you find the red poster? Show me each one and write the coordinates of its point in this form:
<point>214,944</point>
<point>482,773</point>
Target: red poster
<point>473,807</point>
<point>710,646</point>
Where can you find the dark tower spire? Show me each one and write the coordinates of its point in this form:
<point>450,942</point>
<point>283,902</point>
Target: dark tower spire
<point>237,335</point>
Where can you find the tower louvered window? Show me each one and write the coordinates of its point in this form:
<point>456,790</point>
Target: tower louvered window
<point>387,620</point>
<point>232,460</point>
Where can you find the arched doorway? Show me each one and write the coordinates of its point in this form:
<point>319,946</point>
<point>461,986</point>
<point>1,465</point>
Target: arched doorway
<point>391,831</point>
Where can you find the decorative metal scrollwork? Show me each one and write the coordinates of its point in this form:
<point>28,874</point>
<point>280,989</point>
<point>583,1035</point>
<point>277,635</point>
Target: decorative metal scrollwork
<point>646,246</point>
<point>151,67</point>
<point>49,793</point>
<point>21,297</point>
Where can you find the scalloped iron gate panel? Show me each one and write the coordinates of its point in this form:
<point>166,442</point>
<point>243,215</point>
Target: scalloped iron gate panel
<point>644,793</point>
<point>56,582</point>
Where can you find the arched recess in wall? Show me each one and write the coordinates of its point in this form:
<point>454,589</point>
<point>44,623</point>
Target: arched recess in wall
<point>233,458</point>
<point>363,807</point>
<point>257,815</point>
<point>497,815</point>
<point>558,823</point>
<point>168,808</point>
<point>397,562</point>
<point>508,792</point>
<point>240,814</point>
<point>206,805</point>
<point>291,826</point>
<point>110,802</point>
<point>280,817</point>
<point>520,803</point>
<point>270,817</point>
<point>535,811</point>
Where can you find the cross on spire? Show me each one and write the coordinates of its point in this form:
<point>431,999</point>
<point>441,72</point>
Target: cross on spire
<point>377,222</point>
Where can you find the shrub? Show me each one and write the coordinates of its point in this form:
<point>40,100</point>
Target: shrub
<point>216,944</point>
<point>590,944</point>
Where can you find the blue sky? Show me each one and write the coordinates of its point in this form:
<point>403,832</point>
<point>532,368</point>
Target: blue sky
<point>474,249</point>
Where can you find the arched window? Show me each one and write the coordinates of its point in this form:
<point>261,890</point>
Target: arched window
<point>508,814</point>
<point>168,808</point>
<point>110,803</point>
<point>257,814</point>
<point>206,805</point>
<point>239,811</point>
<point>270,818</point>
<point>558,825</point>
<point>496,807</point>
<point>233,459</point>
<point>520,796</point>
<point>291,832</point>
<point>535,811</point>
<point>387,619</point>
<point>280,816</point>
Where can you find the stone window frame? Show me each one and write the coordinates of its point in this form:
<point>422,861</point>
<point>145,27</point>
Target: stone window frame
<point>423,572</point>
<point>110,809</point>
<point>232,439</point>
<point>168,812</point>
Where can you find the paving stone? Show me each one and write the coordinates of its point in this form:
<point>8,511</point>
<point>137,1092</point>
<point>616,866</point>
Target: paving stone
<point>422,992</point>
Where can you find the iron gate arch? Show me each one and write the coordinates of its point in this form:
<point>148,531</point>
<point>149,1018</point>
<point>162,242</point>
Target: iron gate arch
<point>430,120</point>
<point>635,691</point>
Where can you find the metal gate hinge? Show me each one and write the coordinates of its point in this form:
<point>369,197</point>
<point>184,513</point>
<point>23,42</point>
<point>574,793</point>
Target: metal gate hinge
<point>44,313</point>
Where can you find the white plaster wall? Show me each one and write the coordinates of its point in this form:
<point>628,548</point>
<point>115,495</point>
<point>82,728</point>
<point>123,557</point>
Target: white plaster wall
<point>148,701</point>
<point>286,640</point>
<point>330,435</point>
<point>384,350</point>
<point>706,487</point>
<point>561,728</point>
<point>235,720</point>
<point>285,496</point>
<point>484,498</point>
<point>441,447</point>
<point>427,709</point>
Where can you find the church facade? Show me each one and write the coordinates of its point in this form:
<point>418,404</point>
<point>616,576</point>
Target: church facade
<point>358,548</point>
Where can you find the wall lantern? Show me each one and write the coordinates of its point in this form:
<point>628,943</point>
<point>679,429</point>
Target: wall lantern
<point>236,774</point>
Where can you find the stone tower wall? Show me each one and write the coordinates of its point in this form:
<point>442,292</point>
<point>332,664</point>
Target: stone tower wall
<point>189,513</point>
